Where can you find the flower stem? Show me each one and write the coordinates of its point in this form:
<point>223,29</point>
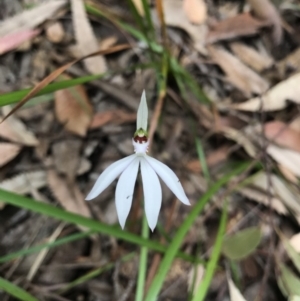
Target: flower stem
<point>143,263</point>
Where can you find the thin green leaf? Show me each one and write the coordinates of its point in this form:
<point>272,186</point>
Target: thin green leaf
<point>15,291</point>
<point>288,282</point>
<point>179,236</point>
<point>92,274</point>
<point>212,264</point>
<point>202,159</point>
<point>293,254</point>
<point>242,244</point>
<point>13,97</point>
<point>48,210</point>
<point>40,247</point>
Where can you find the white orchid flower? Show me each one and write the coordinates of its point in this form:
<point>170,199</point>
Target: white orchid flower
<point>128,169</point>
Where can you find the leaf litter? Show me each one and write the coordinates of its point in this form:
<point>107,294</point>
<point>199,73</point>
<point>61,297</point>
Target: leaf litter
<point>245,57</point>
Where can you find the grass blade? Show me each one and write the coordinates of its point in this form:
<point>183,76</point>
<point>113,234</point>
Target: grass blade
<point>40,247</point>
<point>13,97</point>
<point>48,210</point>
<point>15,291</point>
<point>212,264</point>
<point>178,238</point>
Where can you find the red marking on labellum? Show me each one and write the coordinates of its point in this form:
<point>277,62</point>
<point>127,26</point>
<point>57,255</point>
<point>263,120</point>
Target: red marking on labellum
<point>140,139</point>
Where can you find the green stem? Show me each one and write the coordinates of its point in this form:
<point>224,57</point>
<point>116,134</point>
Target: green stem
<point>143,263</point>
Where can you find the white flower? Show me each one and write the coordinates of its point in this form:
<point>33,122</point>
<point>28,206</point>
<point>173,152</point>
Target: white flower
<point>128,169</point>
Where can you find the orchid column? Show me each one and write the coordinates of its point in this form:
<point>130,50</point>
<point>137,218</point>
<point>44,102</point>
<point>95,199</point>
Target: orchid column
<point>127,168</point>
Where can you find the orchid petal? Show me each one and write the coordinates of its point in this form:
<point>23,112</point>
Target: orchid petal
<point>109,175</point>
<point>169,177</point>
<point>124,190</point>
<point>142,114</point>
<point>152,193</point>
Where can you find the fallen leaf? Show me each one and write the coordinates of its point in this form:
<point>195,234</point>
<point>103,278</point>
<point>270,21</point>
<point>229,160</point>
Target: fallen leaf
<point>235,294</point>
<point>176,17</point>
<point>288,282</point>
<point>25,182</point>
<point>195,10</point>
<point>295,242</point>
<point>262,197</point>
<point>115,116</point>
<point>241,76</point>
<point>86,39</point>
<point>55,32</point>
<point>251,56</point>
<point>213,158</point>
<point>30,18</point>
<point>73,109</point>
<point>196,275</point>
<point>295,124</point>
<point>13,40</point>
<point>265,10</point>
<point>240,138</point>
<point>237,26</point>
<point>281,133</point>
<point>274,99</point>
<point>292,61</point>
<point>292,253</point>
<point>288,174</point>
<point>66,156</point>
<point>15,130</point>
<point>69,197</point>
<point>286,157</point>
<point>278,192</point>
<point>139,6</point>
<point>8,151</point>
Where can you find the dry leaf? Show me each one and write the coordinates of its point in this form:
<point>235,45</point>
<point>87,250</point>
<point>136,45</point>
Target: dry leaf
<point>196,275</point>
<point>15,130</point>
<point>276,98</point>
<point>73,108</point>
<point>66,155</point>
<point>8,151</point>
<point>263,198</point>
<point>14,40</point>
<point>282,196</point>
<point>295,124</point>
<point>195,10</point>
<point>85,38</point>
<point>30,18</point>
<point>295,242</point>
<point>235,294</point>
<point>237,26</point>
<point>288,174</point>
<point>69,197</point>
<point>115,116</point>
<point>240,138</point>
<point>175,16</point>
<point>286,157</point>
<point>251,56</point>
<point>265,10</point>
<point>238,74</point>
<point>283,135</point>
<point>55,32</point>
<point>25,182</point>
<point>292,61</point>
<point>213,158</point>
<point>139,6</point>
